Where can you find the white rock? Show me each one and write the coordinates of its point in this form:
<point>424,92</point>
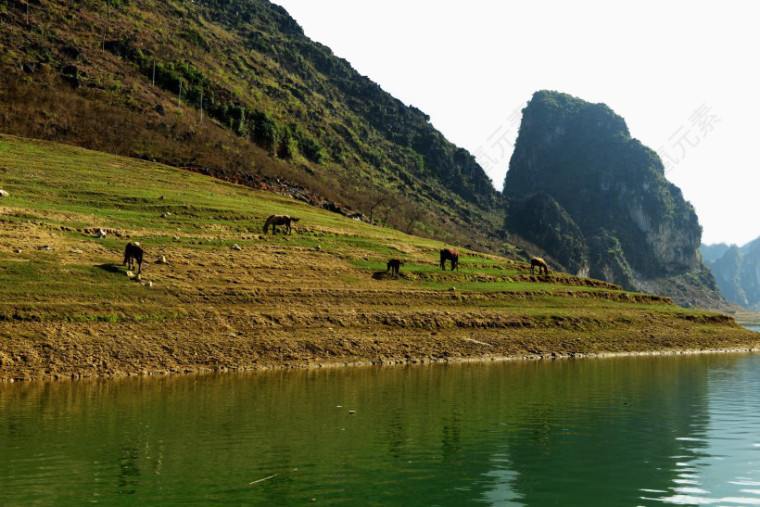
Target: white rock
<point>76,251</point>
<point>3,193</point>
<point>130,274</point>
<point>102,233</point>
<point>236,247</point>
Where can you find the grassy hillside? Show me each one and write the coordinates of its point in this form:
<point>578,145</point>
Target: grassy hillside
<point>234,89</point>
<point>318,296</point>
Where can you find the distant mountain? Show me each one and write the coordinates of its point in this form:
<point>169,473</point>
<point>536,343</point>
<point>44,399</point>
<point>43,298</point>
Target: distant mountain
<point>597,201</point>
<point>737,272</point>
<point>713,252</point>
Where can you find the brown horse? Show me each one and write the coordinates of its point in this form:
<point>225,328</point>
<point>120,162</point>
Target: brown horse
<point>133,253</point>
<point>542,265</point>
<point>452,255</point>
<point>394,265</point>
<point>275,220</point>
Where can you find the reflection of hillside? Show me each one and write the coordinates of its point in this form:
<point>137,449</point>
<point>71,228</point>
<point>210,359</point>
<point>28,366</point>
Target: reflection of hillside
<point>525,431</point>
<point>606,429</point>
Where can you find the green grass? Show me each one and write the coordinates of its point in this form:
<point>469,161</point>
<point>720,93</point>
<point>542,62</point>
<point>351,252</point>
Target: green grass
<point>128,193</point>
<point>54,187</point>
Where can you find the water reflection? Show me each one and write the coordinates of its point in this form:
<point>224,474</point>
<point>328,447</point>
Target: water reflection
<point>625,430</point>
<point>721,465</point>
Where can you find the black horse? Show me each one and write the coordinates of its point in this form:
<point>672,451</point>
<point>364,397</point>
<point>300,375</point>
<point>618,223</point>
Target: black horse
<point>394,265</point>
<point>133,253</point>
<point>275,220</point>
<point>452,255</point>
<point>540,264</point>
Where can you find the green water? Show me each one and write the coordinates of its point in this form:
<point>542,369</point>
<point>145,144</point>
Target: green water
<point>616,431</point>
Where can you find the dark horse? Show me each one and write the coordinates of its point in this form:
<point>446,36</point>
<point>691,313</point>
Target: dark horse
<point>275,220</point>
<point>394,265</point>
<point>452,255</point>
<point>133,253</point>
<point>538,261</point>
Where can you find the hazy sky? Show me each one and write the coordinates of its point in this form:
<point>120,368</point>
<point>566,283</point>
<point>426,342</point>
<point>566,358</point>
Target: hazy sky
<point>684,75</point>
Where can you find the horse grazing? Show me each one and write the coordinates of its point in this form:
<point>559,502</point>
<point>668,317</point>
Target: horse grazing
<point>394,265</point>
<point>452,255</point>
<point>275,220</point>
<point>542,265</point>
<point>133,253</point>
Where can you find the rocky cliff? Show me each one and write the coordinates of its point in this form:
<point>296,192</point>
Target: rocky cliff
<point>622,220</point>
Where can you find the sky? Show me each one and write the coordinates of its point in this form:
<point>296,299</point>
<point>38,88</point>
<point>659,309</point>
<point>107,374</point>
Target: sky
<point>684,75</point>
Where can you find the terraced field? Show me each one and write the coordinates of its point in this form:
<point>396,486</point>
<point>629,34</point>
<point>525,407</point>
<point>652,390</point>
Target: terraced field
<point>231,297</point>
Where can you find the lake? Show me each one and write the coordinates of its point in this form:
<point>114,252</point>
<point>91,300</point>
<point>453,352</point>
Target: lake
<point>649,430</point>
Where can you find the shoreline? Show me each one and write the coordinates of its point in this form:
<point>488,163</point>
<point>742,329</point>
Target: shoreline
<point>370,364</point>
<point>74,356</point>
